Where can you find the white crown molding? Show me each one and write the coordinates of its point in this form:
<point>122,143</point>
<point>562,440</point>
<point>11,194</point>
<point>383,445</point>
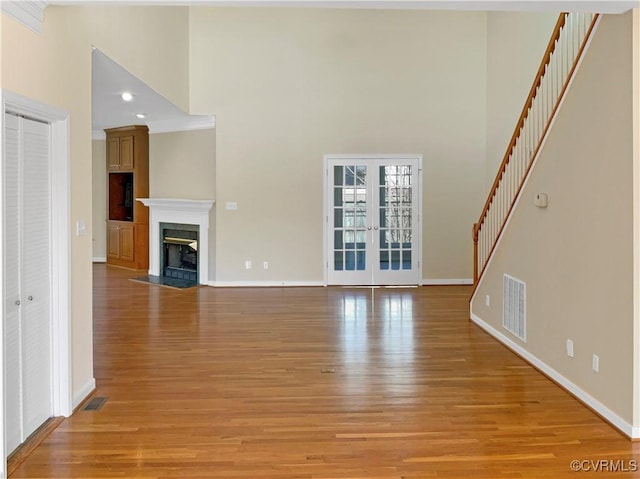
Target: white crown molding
<point>600,6</point>
<point>28,12</point>
<point>98,135</point>
<point>199,122</point>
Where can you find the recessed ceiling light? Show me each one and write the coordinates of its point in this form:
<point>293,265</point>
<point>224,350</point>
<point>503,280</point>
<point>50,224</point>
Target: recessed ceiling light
<point>126,96</point>
<point>140,115</point>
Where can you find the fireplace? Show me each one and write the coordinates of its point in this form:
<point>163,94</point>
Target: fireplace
<point>179,251</point>
<point>174,211</point>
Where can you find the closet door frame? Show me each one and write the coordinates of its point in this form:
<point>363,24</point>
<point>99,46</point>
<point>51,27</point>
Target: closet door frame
<point>60,254</point>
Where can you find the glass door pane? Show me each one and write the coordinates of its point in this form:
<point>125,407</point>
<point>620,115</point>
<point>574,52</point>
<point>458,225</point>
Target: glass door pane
<point>350,192</point>
<point>397,255</point>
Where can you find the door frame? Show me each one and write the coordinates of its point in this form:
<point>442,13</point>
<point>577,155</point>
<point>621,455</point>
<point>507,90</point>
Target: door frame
<point>60,318</point>
<point>325,180</point>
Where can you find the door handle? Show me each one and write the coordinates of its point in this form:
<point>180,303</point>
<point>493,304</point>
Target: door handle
<point>17,302</point>
<point>375,228</point>
<point>369,227</point>
<point>30,298</point>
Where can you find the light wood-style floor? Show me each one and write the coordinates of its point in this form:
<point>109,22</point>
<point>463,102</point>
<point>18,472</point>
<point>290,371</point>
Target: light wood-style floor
<point>314,383</point>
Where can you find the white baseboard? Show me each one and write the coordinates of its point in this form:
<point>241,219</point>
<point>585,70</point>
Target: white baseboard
<point>625,427</point>
<point>263,284</point>
<point>436,282</point>
<point>83,393</point>
<point>99,260</point>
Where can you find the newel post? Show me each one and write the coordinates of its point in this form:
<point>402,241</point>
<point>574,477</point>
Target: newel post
<point>475,253</point>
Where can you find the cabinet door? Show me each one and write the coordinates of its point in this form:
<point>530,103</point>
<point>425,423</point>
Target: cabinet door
<point>126,153</point>
<point>113,154</point>
<point>113,240</point>
<point>127,242</point>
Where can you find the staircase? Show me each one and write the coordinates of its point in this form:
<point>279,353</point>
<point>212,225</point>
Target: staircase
<point>561,58</point>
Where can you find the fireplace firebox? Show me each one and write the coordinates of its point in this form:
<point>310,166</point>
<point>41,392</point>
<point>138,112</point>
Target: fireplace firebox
<point>179,251</point>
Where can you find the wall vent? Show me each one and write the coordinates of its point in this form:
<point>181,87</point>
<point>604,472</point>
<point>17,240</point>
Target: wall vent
<point>514,307</point>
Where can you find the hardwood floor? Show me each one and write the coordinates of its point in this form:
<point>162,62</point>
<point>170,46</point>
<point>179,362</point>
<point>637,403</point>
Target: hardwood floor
<point>315,383</point>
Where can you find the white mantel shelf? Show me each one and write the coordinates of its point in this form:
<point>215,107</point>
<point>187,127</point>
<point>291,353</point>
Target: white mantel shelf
<point>181,211</point>
<point>177,204</point>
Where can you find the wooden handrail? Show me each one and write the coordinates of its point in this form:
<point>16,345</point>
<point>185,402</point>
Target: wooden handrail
<point>546,59</point>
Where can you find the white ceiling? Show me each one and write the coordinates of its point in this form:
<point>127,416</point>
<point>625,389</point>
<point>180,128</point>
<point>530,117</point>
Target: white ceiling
<point>110,80</point>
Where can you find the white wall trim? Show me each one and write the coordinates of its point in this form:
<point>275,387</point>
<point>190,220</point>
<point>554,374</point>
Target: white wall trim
<point>436,282</point>
<point>84,392</point>
<point>30,13</point>
<point>625,427</point>
<point>535,160</point>
<point>99,259</point>
<point>264,284</point>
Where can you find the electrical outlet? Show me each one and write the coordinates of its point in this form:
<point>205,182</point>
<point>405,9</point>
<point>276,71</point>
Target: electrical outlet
<point>265,265</point>
<point>247,264</point>
<point>569,348</point>
<point>595,363</point>
<point>487,300</point>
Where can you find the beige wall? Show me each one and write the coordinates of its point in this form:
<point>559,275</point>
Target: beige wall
<point>515,45</point>
<point>290,85</point>
<point>576,256</point>
<point>182,165</point>
<point>151,42</point>
<point>55,68</point>
<point>99,194</point>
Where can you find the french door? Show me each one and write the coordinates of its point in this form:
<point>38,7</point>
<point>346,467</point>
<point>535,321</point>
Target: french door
<point>373,220</point>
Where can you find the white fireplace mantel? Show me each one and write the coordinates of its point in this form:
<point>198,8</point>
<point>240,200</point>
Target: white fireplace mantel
<point>178,210</point>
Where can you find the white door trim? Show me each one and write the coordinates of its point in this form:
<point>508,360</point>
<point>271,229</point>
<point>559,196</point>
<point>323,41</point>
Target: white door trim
<point>325,178</point>
<point>60,252</point>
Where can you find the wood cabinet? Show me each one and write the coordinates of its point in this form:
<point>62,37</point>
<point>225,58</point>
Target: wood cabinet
<point>121,241</point>
<point>127,179</point>
<point>121,153</point>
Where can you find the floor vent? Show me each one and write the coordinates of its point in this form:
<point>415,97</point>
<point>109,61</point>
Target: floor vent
<point>95,404</point>
<point>514,306</point>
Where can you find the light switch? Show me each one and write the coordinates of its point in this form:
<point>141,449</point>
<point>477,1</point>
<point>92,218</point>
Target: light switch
<point>81,228</point>
<point>231,205</point>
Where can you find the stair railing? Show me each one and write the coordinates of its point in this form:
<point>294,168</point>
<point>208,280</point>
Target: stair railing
<point>561,58</point>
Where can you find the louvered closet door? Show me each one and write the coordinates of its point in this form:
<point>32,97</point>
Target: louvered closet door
<point>12,243</point>
<point>35,290</point>
<point>27,278</point>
